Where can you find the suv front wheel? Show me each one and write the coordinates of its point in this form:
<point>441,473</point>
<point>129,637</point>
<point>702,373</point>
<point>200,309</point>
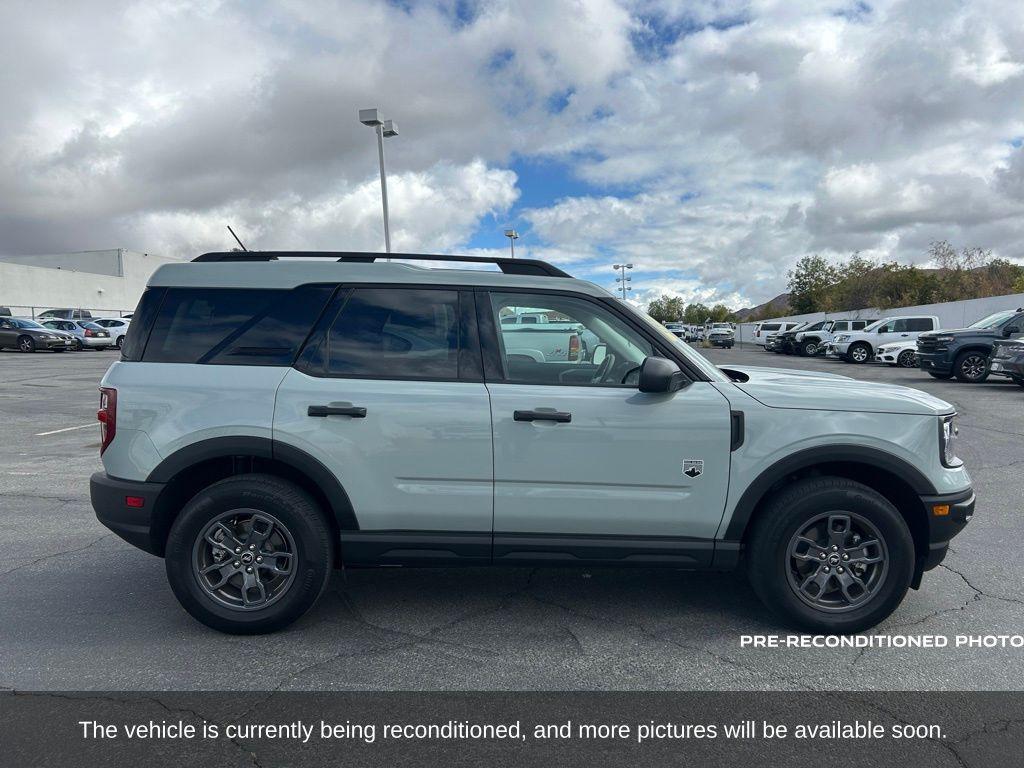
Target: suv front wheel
<point>858,353</point>
<point>249,554</point>
<point>830,555</point>
<point>971,367</point>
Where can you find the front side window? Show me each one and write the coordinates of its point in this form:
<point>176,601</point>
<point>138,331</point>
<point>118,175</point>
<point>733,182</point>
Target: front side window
<point>580,342</point>
<point>396,333</point>
<point>234,326</point>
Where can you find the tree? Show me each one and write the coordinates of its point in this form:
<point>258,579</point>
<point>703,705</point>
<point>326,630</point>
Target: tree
<point>810,283</point>
<point>666,309</point>
<point>696,313</point>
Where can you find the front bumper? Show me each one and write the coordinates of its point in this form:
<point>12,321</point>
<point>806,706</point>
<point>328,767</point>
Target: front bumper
<point>1011,367</point>
<point>134,524</point>
<point>947,515</point>
<point>721,341</point>
<point>837,350</point>
<point>58,343</point>
<point>937,362</point>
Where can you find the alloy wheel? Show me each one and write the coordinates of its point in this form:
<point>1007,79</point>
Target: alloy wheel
<point>859,354</point>
<point>25,344</point>
<point>244,559</point>
<point>907,359</point>
<point>837,562</point>
<point>973,367</point>
<point>810,349</point>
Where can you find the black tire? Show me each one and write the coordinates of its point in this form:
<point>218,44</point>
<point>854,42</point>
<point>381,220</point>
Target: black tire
<point>770,564</point>
<point>808,348</point>
<point>120,342</point>
<point>971,367</point>
<point>858,353</point>
<point>940,376</point>
<point>302,520</point>
<point>26,344</point>
<point>907,359</point>
<point>79,346</point>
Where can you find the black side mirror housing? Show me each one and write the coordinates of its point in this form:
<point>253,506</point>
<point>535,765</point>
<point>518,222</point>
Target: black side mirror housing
<point>659,375</point>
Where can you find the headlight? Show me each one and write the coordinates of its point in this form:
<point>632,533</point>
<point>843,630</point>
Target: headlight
<point>943,339</point>
<point>949,437</point>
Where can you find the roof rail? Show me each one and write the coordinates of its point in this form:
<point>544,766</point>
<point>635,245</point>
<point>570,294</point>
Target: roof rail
<point>534,267</point>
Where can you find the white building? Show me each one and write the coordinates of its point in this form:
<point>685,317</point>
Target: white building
<point>104,282</point>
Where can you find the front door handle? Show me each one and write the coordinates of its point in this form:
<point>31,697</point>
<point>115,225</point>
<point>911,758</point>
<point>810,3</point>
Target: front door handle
<point>563,417</point>
<point>331,410</point>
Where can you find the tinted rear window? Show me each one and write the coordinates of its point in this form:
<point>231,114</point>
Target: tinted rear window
<point>396,333</point>
<point>232,326</point>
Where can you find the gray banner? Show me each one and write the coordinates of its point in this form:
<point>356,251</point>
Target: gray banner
<point>271,730</point>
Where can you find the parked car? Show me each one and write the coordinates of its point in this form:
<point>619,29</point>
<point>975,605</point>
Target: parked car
<point>28,336</point>
<point>86,334</point>
<point>117,327</point>
<point>860,346</point>
<point>813,341</point>
<point>677,329</point>
<point>536,336</point>
<point>964,352</point>
<point>721,335</point>
<point>1008,359</point>
<point>67,314</point>
<point>269,422</point>
<point>785,341</point>
<point>771,342</point>
<point>763,329</point>
<point>902,354</point>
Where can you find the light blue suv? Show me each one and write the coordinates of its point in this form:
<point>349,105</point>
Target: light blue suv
<point>275,417</point>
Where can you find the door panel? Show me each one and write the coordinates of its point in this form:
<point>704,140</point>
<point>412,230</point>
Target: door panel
<point>615,469</point>
<point>419,460</point>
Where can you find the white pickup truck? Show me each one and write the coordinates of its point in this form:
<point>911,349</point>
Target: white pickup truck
<point>534,335</point>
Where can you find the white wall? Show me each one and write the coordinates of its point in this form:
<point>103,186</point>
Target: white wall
<point>76,280</point>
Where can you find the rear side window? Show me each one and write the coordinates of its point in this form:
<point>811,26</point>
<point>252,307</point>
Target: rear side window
<point>919,324</point>
<point>770,327</point>
<point>138,331</point>
<point>232,326</point>
<point>396,333</point>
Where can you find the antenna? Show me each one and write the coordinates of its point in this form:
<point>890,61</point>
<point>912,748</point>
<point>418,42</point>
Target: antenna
<point>236,238</point>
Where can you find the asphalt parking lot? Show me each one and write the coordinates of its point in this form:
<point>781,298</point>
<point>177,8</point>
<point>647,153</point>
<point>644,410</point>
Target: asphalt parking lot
<point>82,610</point>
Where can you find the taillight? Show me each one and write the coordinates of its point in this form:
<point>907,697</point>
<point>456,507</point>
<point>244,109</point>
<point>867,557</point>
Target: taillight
<point>574,348</point>
<point>88,332</point>
<point>107,416</point>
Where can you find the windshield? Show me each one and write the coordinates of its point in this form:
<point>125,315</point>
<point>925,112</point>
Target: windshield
<point>875,324</point>
<point>993,320</point>
<point>695,359</point>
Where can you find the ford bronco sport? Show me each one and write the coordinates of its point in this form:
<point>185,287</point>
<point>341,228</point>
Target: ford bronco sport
<point>272,418</point>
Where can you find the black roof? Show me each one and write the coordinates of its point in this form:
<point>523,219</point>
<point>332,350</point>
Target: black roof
<point>533,267</point>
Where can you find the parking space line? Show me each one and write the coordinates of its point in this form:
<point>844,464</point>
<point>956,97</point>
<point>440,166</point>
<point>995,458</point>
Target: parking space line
<point>66,429</point>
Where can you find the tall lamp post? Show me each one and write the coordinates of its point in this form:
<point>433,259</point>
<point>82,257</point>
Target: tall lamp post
<point>384,129</point>
<point>623,279</point>
<point>512,236</point>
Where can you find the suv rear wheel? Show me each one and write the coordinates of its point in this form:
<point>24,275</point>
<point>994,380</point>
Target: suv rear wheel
<point>249,554</point>
<point>830,555</point>
<point>971,367</point>
<point>808,348</point>
<point>858,353</point>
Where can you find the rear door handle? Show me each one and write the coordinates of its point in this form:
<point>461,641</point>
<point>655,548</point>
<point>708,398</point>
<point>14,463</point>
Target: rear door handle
<point>332,410</point>
<point>563,417</point>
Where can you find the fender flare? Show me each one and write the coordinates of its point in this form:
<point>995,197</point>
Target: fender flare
<point>810,457</point>
<point>264,448</point>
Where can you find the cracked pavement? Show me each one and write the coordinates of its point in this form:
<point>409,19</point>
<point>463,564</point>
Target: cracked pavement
<point>83,610</point>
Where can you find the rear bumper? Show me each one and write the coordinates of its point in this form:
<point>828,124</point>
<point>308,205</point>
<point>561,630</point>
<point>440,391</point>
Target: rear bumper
<point>947,516</point>
<point>97,341</point>
<point>937,362</point>
<point>132,523</point>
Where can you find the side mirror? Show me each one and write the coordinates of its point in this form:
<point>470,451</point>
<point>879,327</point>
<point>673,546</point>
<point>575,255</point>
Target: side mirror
<point>660,375</point>
<point>600,353</point>
<point>1007,332</point>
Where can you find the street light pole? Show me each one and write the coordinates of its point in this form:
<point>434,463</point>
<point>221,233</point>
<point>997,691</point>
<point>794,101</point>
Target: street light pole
<point>384,129</point>
<point>623,278</point>
<point>512,236</point>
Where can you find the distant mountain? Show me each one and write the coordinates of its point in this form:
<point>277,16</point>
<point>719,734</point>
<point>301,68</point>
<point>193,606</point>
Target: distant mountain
<point>777,307</point>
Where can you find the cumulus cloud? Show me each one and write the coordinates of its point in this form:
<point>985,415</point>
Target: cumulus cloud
<point>712,143</point>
